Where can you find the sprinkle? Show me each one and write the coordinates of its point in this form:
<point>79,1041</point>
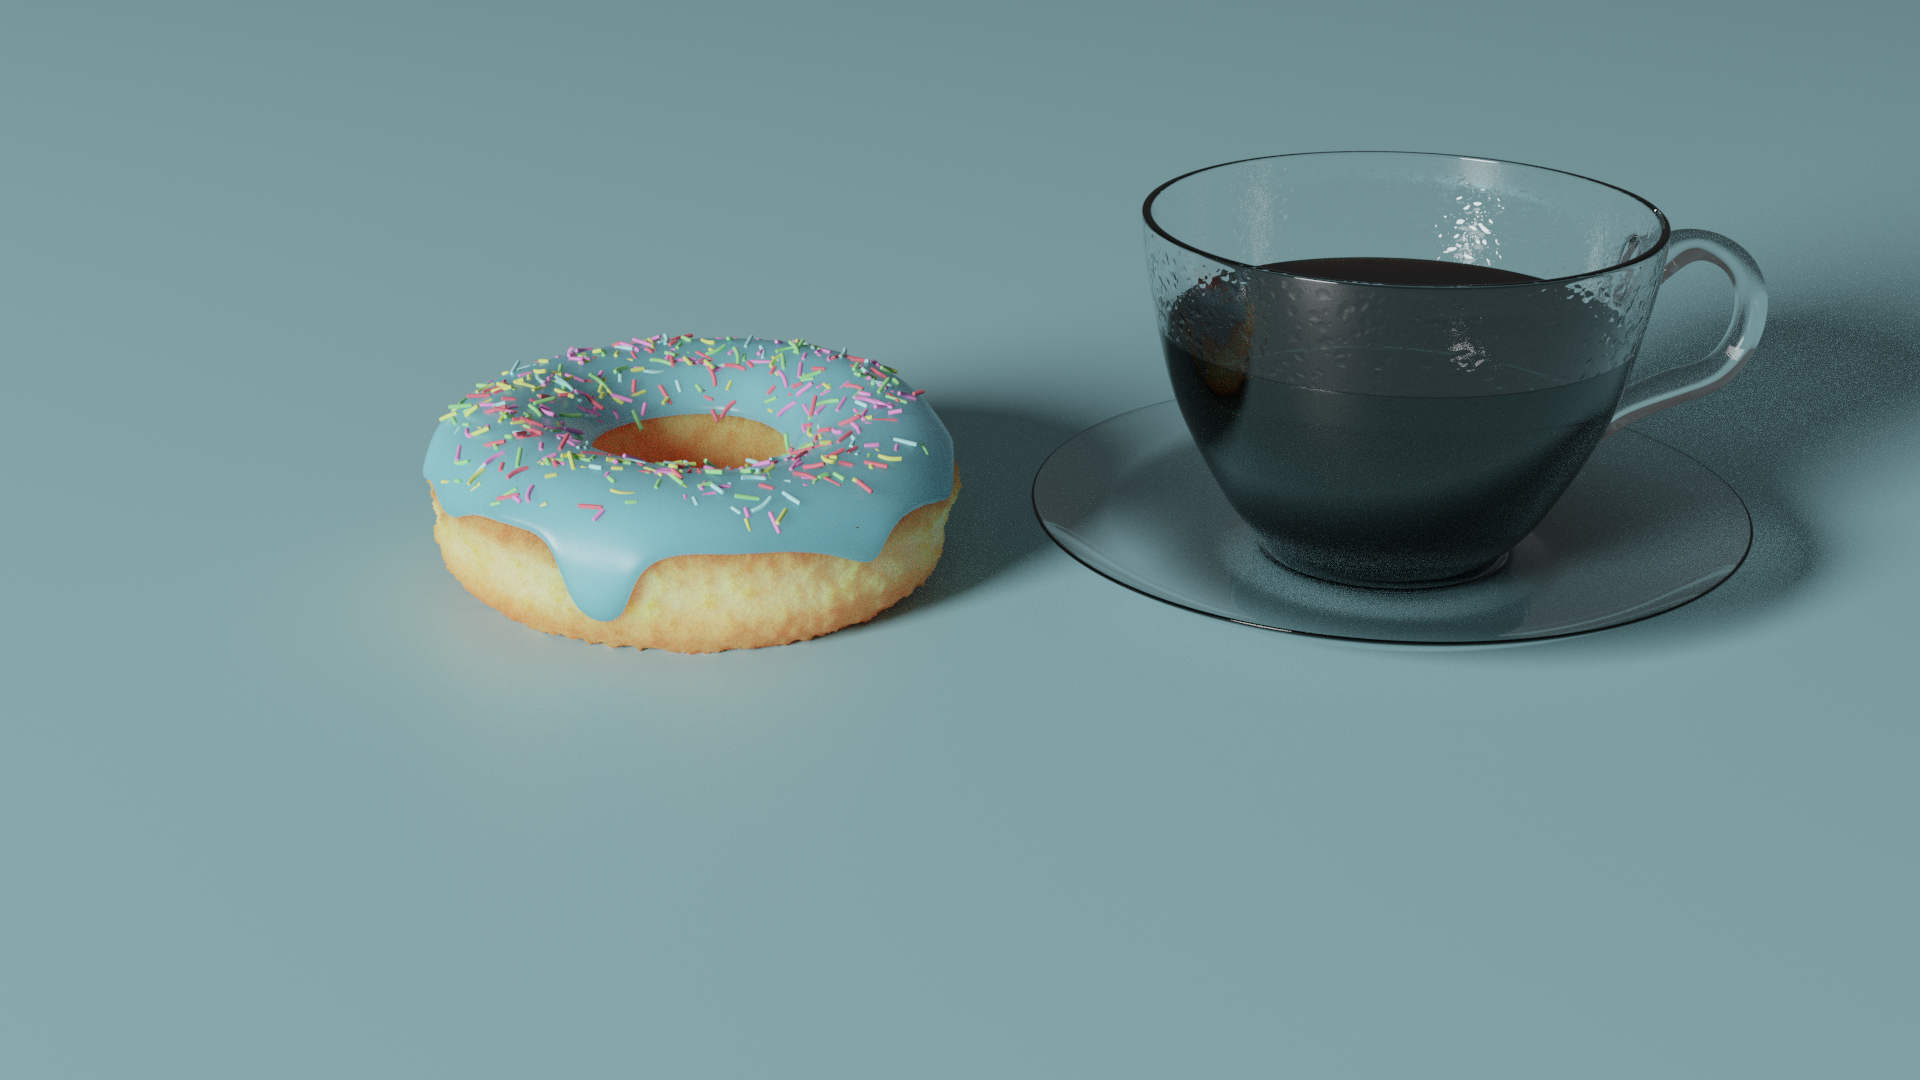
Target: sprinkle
<point>887,457</point>
<point>863,486</point>
<point>774,521</point>
<point>518,471</point>
<point>550,476</point>
<point>789,497</point>
<point>769,487</point>
<point>909,442</point>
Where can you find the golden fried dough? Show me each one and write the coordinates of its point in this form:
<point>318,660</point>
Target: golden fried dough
<point>697,603</point>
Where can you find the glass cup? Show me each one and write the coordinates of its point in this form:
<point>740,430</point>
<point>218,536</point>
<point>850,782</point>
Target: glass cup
<point>1395,363</point>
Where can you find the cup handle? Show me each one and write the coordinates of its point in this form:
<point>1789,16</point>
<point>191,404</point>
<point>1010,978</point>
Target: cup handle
<point>1702,377</point>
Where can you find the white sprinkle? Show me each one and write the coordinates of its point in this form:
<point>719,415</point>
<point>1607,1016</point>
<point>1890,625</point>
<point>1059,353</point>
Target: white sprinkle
<point>676,386</point>
<point>787,495</point>
<point>761,504</point>
<point>909,442</point>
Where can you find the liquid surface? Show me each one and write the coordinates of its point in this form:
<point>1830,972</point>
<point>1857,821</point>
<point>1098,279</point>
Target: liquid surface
<point>1371,271</point>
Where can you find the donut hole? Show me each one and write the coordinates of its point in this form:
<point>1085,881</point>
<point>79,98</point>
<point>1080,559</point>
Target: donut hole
<point>695,437</point>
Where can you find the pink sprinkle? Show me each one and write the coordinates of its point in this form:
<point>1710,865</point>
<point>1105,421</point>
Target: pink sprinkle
<point>489,461</point>
<point>596,516</point>
<point>784,408</point>
<point>518,471</point>
<point>863,486</point>
<point>769,487</point>
<point>773,521</point>
<point>529,492</point>
<point>456,452</point>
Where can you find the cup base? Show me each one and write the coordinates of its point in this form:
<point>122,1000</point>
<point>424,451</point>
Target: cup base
<point>1488,570</point>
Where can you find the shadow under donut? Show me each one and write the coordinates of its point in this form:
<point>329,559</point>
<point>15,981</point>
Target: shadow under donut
<point>992,527</point>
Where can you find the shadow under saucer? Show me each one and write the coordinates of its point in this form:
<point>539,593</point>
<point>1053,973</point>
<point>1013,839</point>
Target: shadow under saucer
<point>1643,529</point>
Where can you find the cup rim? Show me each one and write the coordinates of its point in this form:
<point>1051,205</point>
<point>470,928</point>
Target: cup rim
<point>1666,227</point>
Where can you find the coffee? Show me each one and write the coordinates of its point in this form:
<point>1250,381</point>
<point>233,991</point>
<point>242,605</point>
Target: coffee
<point>1366,271</point>
<point>1379,436</point>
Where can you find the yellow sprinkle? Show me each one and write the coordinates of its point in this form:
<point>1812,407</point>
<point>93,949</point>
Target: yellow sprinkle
<point>551,475</point>
<point>886,457</point>
<point>616,491</point>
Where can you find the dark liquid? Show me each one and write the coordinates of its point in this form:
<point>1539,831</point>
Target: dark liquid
<point>1373,488</point>
<point>1399,272</point>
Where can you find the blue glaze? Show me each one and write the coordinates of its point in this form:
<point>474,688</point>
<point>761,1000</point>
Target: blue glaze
<point>655,511</point>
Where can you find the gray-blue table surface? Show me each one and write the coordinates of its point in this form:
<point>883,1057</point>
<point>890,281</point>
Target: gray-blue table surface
<point>278,798</point>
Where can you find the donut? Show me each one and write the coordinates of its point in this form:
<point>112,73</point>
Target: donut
<point>692,494</point>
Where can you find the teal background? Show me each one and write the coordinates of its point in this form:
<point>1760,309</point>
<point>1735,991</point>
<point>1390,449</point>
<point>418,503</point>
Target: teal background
<point>279,798</point>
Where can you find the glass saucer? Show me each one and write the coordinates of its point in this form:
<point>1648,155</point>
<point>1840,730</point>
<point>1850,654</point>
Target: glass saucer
<point>1643,529</point>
